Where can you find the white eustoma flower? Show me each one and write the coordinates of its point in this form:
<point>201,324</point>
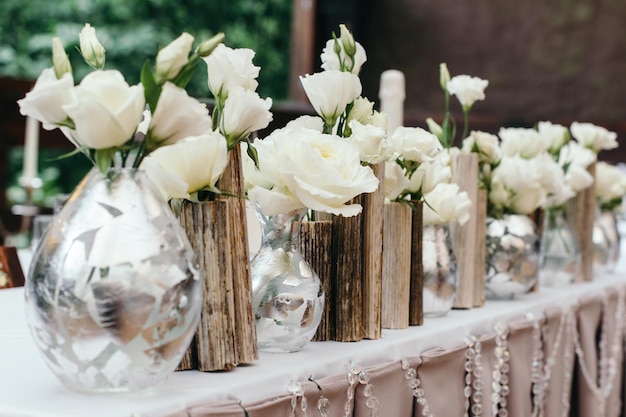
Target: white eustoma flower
<point>378,119</point>
<point>371,141</point>
<point>172,58</point>
<point>516,185</point>
<point>322,172</point>
<point>330,60</point>
<point>596,138</point>
<point>445,204</point>
<point>610,182</point>
<point>90,47</point>
<point>106,110</point>
<point>467,89</point>
<point>306,121</point>
<point>244,112</point>
<point>60,60</point>
<point>556,135</point>
<point>176,116</point>
<point>527,143</point>
<point>46,100</point>
<point>431,173</point>
<point>330,92</point>
<point>485,144</point>
<point>575,160</point>
<point>198,160</point>
<point>362,108</point>
<point>228,68</point>
<point>169,184</point>
<point>395,182</point>
<point>415,144</point>
<point>552,178</point>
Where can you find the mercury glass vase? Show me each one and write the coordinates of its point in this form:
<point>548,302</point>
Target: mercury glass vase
<point>288,296</point>
<point>511,257</point>
<point>113,293</point>
<point>440,270</point>
<point>606,241</point>
<point>559,255</point>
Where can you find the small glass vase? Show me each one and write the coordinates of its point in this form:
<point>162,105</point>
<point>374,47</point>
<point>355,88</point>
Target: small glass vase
<point>113,295</point>
<point>288,296</point>
<point>511,257</point>
<point>606,241</point>
<point>559,254</point>
<point>440,270</point>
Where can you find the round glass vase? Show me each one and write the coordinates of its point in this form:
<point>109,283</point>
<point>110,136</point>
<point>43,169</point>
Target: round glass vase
<point>559,253</point>
<point>440,270</point>
<point>288,296</point>
<point>113,294</point>
<point>511,256</point>
<point>606,241</point>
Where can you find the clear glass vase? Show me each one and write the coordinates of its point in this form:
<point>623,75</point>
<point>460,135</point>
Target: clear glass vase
<point>288,296</point>
<point>113,294</point>
<point>440,270</point>
<point>511,257</point>
<point>606,241</point>
<point>560,256</point>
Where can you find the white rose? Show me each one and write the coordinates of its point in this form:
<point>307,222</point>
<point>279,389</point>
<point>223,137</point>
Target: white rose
<point>169,184</point>
<point>610,182</point>
<point>90,47</point>
<point>446,204</point>
<point>527,143</point>
<point>519,177</point>
<point>415,144</point>
<point>46,100</point>
<point>171,59</point>
<point>596,138</point>
<point>106,111</point>
<point>330,60</point>
<point>308,122</point>
<point>330,92</point>
<point>198,160</point>
<point>431,173</point>
<point>395,180</point>
<point>556,135</point>
<point>485,144</point>
<point>228,68</point>
<point>322,171</point>
<point>244,112</point>
<point>467,89</point>
<point>177,116</point>
<point>371,141</point>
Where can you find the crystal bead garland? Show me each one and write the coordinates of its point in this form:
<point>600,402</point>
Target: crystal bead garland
<point>607,364</point>
<point>356,375</point>
<point>473,391</point>
<point>500,375</point>
<point>295,389</point>
<point>410,375</point>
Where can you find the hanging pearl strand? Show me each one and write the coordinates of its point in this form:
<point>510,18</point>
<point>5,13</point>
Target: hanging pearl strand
<point>608,364</point>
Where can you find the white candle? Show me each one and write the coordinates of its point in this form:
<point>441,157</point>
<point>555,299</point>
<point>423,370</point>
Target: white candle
<point>392,93</point>
<point>31,150</point>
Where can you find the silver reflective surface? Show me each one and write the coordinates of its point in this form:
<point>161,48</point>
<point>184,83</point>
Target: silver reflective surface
<point>440,270</point>
<point>113,294</point>
<point>288,297</point>
<point>512,256</point>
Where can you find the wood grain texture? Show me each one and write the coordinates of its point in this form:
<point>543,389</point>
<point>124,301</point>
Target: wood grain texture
<point>373,227</point>
<point>581,213</point>
<point>396,282</point>
<point>481,249</point>
<point>315,241</point>
<point>11,273</point>
<point>465,175</point>
<point>416,305</point>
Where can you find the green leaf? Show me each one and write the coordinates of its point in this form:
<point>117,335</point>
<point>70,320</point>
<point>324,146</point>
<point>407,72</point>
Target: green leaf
<point>253,154</point>
<point>151,89</point>
<point>186,74</point>
<point>103,158</point>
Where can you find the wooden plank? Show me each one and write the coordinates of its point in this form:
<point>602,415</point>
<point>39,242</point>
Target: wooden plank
<point>481,249</point>
<point>11,274</point>
<point>581,212</point>
<point>396,282</point>
<point>373,226</point>
<point>416,310</point>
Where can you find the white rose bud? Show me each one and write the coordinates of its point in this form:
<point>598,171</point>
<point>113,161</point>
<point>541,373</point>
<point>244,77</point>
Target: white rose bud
<point>444,75</point>
<point>90,47</point>
<point>330,92</point>
<point>172,58</point>
<point>434,128</point>
<point>244,112</point>
<point>60,61</point>
<point>207,47</point>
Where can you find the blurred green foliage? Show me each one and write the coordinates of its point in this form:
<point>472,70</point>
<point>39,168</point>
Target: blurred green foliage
<point>132,31</point>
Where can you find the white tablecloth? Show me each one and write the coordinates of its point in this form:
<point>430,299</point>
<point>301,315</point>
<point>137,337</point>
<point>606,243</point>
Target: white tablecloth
<point>28,388</point>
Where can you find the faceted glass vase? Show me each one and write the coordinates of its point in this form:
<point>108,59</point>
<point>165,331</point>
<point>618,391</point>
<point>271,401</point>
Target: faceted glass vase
<point>606,241</point>
<point>288,296</point>
<point>560,257</point>
<point>113,294</point>
<point>511,257</point>
<point>440,271</point>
